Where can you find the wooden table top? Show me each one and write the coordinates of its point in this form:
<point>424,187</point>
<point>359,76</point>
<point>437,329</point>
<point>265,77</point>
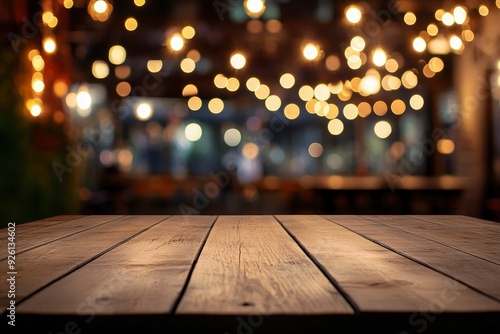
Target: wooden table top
<point>254,274</point>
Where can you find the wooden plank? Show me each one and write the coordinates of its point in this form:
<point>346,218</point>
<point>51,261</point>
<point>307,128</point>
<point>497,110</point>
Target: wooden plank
<point>64,217</point>
<point>475,272</point>
<point>378,279</point>
<point>35,238</point>
<point>250,265</point>
<point>478,244</point>
<point>42,265</point>
<point>142,276</point>
<point>464,223</point>
<point>39,224</point>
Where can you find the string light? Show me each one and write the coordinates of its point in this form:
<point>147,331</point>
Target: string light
<point>353,14</point>
<point>176,42</point>
<point>311,51</point>
<point>238,61</point>
<point>49,45</point>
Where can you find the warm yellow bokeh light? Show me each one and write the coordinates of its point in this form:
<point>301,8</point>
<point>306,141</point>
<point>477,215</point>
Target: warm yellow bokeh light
<point>273,103</point>
<point>417,102</point>
<point>353,14</point>
<point>176,42</point>
<point>354,62</point>
<point>154,66</point>
<point>445,146</point>
<point>409,79</point>
<point>383,129</point>
<point>292,111</point>
<point>38,63</point>
<point>455,42</point>
<point>35,110</point>
<point>460,14</point>
<point>139,3</point>
<point>144,111</point>
<point>195,103</point>
<point>350,111</point>
<point>321,92</point>
<point>436,64</point>
<point>220,81</point>
<point>131,24</point>
<point>410,18</point>
<point>233,84</point>
<point>306,93</point>
<point>335,127</point>
<point>60,88</point>
<point>448,19</point>
<point>49,45</point>
<point>358,43</point>
<point>100,69</point>
<point>188,65</point>
<point>100,6</point>
<point>380,108</point>
<point>364,109</point>
<point>311,51</point>
<point>391,65</point>
<point>379,57</point>
<point>398,107</point>
<point>419,44</point>
<point>254,8</point>
<point>262,92</point>
<point>216,105</point>
<point>238,61</point>
<point>252,84</point>
<point>188,32</point>
<point>250,151</point>
<point>117,55</point>
<point>483,10</point>
<point>432,29</point>
<point>287,81</point>
<point>190,90</point>
<point>68,4</point>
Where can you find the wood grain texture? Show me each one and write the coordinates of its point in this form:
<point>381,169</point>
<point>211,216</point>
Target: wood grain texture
<point>249,265</point>
<point>64,217</point>
<point>378,279</point>
<point>39,224</point>
<point>42,265</point>
<point>464,223</point>
<point>482,245</point>
<point>478,273</point>
<point>37,237</point>
<point>142,276</point>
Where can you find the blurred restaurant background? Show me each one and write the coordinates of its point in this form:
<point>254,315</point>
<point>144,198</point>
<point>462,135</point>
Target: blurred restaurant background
<point>249,107</point>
